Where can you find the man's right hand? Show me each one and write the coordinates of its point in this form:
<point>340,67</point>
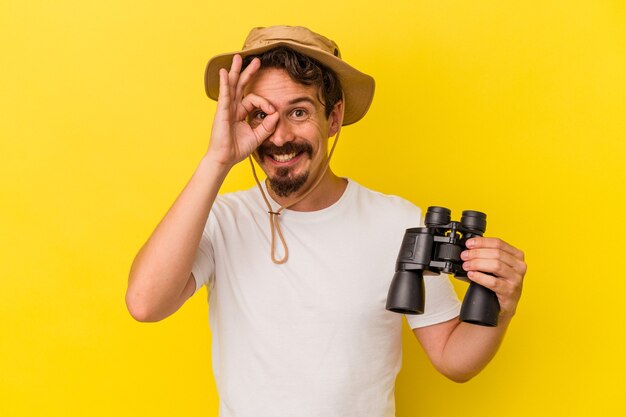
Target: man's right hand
<point>232,138</point>
<point>160,279</point>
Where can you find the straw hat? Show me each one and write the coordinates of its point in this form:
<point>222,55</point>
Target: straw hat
<point>358,87</point>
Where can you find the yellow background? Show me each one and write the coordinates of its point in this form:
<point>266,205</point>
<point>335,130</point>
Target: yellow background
<point>513,108</point>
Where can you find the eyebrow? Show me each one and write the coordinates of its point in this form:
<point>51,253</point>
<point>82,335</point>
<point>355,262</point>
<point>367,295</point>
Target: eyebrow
<point>301,99</point>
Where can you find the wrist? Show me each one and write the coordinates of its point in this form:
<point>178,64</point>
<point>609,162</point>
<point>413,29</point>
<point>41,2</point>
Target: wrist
<point>209,160</point>
<point>213,168</point>
<point>505,318</point>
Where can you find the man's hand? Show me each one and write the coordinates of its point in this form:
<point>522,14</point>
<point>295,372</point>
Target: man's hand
<point>161,279</point>
<point>461,350</point>
<point>232,138</point>
<point>505,262</point>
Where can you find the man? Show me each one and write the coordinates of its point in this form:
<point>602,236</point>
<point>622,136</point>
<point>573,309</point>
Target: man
<point>298,315</point>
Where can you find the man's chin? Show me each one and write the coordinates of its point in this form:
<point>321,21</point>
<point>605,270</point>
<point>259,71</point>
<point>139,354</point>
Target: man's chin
<point>287,186</point>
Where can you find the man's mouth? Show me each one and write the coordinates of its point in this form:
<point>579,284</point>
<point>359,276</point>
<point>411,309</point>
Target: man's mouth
<point>286,153</point>
<point>286,157</point>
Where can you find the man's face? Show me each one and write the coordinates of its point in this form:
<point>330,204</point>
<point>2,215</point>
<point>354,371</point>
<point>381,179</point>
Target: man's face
<point>295,152</point>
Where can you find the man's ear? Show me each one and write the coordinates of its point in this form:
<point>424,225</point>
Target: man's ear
<point>336,118</point>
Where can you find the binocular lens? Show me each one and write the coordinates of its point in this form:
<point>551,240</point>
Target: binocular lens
<point>480,306</point>
<point>474,220</point>
<point>406,293</point>
<point>437,216</point>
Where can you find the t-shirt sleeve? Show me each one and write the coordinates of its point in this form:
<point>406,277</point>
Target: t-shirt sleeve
<point>204,264</point>
<point>441,302</point>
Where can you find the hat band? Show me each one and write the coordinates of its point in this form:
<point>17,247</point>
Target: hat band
<point>329,49</point>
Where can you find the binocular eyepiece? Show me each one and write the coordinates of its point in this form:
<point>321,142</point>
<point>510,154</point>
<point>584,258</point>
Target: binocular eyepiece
<point>437,248</point>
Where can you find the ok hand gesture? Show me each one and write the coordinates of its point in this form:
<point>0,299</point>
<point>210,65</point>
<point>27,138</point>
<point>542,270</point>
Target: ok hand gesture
<point>232,138</point>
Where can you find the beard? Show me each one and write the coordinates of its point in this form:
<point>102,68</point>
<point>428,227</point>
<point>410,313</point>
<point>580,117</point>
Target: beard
<point>284,183</point>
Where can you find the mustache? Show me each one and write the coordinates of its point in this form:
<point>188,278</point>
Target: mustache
<point>289,147</point>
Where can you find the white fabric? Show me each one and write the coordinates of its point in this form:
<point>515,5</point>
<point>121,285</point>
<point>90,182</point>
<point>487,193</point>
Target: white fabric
<point>309,338</point>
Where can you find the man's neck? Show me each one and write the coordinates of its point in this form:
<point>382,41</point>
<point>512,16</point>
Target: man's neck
<point>328,192</point>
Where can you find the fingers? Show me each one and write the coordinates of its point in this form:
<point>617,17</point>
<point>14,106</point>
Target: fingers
<point>494,266</point>
<point>237,80</point>
<point>252,102</point>
<point>228,80</point>
<point>232,84</point>
<point>493,255</point>
<point>508,292</point>
<point>499,255</point>
<point>494,248</point>
<point>266,128</point>
<point>235,69</point>
<point>223,99</point>
<point>494,243</point>
<point>497,261</point>
<point>262,127</point>
<point>486,280</point>
<point>498,266</point>
<point>245,77</point>
<point>506,284</point>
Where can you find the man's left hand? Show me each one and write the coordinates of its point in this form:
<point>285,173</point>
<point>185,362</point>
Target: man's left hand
<point>505,263</point>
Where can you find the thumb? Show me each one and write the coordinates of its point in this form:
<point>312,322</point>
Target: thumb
<point>267,127</point>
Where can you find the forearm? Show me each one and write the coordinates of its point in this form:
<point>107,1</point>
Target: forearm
<point>161,269</point>
<point>470,348</point>
<point>461,350</point>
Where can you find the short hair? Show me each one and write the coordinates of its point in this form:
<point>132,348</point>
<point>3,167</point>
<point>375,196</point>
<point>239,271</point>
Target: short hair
<point>304,70</point>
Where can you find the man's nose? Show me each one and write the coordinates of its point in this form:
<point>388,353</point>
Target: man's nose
<point>282,134</point>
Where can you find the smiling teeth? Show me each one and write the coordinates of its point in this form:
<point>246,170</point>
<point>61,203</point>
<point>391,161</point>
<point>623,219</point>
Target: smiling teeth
<point>284,157</point>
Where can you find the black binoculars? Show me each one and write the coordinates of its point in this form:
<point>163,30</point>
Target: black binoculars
<point>437,248</point>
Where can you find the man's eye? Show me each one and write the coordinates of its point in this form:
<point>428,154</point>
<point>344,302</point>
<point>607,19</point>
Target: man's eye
<point>260,115</point>
<point>299,113</point>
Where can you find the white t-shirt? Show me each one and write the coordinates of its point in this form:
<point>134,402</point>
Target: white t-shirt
<point>311,337</point>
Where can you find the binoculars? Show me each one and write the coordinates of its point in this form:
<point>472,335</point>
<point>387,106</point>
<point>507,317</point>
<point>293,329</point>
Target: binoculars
<point>437,248</point>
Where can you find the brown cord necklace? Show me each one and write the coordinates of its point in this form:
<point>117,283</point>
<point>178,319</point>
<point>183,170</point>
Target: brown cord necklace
<point>274,222</point>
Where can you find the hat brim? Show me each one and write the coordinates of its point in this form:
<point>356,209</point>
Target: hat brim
<point>358,88</point>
